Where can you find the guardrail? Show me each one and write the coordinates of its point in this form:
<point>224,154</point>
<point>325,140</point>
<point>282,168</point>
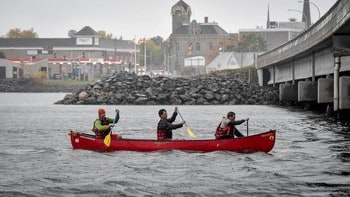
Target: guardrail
<point>316,37</point>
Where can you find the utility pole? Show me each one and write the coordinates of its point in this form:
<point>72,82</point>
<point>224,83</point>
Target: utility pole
<point>145,54</point>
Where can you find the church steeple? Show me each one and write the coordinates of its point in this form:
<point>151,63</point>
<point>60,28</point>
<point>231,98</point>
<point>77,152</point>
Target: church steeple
<point>306,18</point>
<point>181,13</point>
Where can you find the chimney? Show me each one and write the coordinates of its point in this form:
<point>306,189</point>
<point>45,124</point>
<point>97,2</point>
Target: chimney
<point>206,19</point>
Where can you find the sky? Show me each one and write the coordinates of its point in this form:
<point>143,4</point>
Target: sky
<point>144,18</point>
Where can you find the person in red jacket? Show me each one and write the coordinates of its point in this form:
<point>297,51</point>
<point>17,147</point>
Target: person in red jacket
<point>165,126</point>
<point>226,129</point>
<point>102,126</point>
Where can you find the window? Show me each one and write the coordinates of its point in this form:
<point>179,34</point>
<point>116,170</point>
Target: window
<point>210,46</point>
<point>198,46</point>
<point>190,49</point>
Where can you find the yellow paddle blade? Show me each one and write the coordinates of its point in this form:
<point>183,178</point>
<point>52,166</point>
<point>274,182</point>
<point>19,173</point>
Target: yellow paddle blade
<point>190,133</point>
<point>107,140</point>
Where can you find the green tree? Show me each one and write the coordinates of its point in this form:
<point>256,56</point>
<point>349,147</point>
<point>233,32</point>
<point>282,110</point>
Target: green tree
<point>104,35</point>
<point>18,33</point>
<point>157,40</point>
<point>249,43</point>
<point>71,33</point>
<point>238,43</point>
<point>153,52</point>
<point>221,46</point>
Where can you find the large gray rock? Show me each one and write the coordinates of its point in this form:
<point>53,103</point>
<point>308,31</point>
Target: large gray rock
<point>83,96</point>
<point>126,88</point>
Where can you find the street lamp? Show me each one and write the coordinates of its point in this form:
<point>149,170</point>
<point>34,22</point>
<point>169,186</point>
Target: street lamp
<point>318,9</point>
<point>301,13</point>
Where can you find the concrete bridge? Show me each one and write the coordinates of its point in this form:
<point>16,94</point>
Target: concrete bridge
<point>315,66</point>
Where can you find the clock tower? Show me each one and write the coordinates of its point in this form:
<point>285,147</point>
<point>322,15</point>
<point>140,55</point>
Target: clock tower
<point>181,14</point>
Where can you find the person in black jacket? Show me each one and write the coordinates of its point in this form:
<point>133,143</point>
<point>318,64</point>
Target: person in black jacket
<point>165,126</point>
<point>227,129</point>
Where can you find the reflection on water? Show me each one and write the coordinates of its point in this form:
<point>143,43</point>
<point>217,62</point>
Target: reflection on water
<point>310,158</point>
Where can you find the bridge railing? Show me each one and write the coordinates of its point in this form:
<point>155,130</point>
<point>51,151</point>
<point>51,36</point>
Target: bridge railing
<point>316,37</point>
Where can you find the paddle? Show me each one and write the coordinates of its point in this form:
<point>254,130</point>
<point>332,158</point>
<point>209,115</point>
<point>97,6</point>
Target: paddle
<point>247,126</point>
<point>107,140</point>
<point>190,133</point>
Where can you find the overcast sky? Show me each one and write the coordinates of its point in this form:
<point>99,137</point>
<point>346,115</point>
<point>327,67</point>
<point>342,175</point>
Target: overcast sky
<point>143,18</point>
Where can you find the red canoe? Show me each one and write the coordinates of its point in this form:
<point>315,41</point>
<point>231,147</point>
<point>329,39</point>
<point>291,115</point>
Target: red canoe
<point>262,142</point>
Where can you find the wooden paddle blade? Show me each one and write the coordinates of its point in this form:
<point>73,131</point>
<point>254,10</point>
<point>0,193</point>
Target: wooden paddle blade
<point>190,133</point>
<point>107,140</point>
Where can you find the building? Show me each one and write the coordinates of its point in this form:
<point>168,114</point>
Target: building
<point>84,56</point>
<point>276,36</point>
<point>277,33</point>
<point>8,69</point>
<point>190,39</point>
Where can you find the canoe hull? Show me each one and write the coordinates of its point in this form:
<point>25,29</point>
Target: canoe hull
<point>262,142</point>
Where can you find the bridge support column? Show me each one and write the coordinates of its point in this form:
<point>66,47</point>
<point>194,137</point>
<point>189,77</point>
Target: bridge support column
<point>288,92</point>
<point>344,92</point>
<point>337,63</point>
<point>262,77</point>
<point>307,91</point>
<point>325,90</point>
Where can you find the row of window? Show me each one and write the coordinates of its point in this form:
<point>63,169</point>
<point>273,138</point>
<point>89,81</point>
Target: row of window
<point>197,47</point>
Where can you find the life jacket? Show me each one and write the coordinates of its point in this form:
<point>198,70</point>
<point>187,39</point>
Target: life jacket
<point>222,133</point>
<point>98,133</point>
<point>163,134</point>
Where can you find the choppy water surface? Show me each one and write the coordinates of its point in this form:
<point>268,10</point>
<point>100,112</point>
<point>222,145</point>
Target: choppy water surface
<point>311,156</point>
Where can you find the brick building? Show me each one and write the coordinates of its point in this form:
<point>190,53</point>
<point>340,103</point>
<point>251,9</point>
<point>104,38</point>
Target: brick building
<point>190,39</point>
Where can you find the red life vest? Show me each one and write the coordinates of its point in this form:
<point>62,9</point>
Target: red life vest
<point>163,134</point>
<point>222,133</point>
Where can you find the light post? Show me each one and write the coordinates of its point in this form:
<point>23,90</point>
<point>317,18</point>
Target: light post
<point>301,13</point>
<point>115,48</point>
<point>318,9</point>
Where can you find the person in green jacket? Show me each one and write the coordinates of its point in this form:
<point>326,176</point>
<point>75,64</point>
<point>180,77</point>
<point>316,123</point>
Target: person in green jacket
<point>102,126</point>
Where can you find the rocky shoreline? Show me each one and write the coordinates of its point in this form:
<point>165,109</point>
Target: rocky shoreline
<point>130,89</point>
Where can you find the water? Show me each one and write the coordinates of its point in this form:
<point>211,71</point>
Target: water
<point>311,156</point>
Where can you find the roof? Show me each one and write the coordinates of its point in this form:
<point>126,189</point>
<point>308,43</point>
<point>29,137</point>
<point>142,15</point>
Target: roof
<point>270,30</point>
<point>205,28</point>
<point>232,60</point>
<point>46,43</point>
<point>225,60</point>
<point>86,31</point>
<point>36,42</point>
<point>182,4</point>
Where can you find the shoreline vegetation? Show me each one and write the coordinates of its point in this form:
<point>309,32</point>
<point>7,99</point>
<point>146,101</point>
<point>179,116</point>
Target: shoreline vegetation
<point>31,85</point>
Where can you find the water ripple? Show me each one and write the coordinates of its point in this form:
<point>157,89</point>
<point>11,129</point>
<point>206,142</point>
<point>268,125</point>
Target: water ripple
<point>310,158</point>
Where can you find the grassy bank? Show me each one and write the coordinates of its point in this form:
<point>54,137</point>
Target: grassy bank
<point>65,83</point>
